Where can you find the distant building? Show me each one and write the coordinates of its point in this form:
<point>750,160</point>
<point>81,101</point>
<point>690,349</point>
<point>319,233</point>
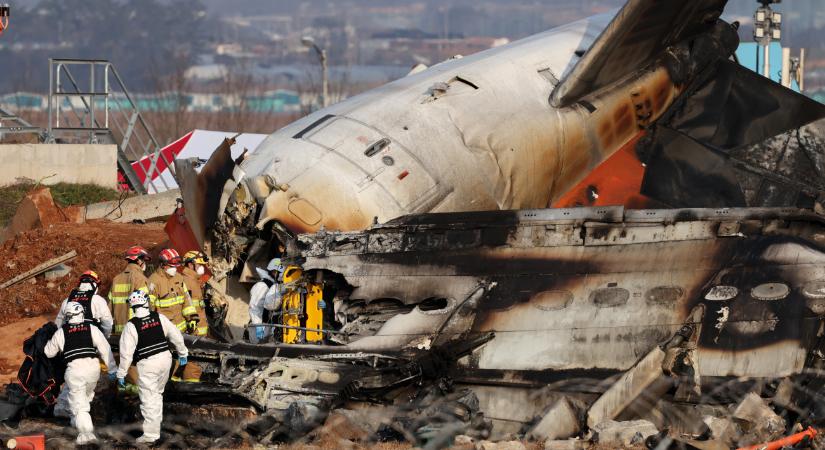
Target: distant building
<point>407,51</point>
<point>275,101</point>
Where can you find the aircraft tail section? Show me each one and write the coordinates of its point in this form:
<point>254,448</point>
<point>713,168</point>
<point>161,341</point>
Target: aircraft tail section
<point>641,31</point>
<point>714,148</point>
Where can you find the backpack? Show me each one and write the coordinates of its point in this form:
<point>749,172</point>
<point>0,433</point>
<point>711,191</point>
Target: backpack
<point>40,376</point>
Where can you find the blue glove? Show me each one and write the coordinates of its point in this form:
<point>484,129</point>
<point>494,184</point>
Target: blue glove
<point>112,376</point>
<point>121,382</point>
<point>182,360</point>
<point>259,332</point>
<point>322,304</point>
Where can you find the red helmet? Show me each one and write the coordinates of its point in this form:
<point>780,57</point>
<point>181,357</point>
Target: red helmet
<point>170,257</point>
<point>90,275</point>
<point>137,252</point>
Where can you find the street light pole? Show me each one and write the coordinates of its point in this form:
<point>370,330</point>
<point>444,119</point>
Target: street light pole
<point>322,56</point>
<point>767,27</point>
<point>322,53</point>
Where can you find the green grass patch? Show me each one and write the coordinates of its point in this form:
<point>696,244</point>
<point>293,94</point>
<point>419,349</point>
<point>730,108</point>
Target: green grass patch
<point>64,194</point>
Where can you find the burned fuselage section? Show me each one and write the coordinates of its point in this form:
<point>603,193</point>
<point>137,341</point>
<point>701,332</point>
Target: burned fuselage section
<point>505,303</point>
<point>529,314</point>
<point>582,288</point>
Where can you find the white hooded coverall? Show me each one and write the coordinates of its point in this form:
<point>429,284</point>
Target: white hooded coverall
<point>263,297</point>
<point>153,371</point>
<point>81,378</point>
<point>100,311</point>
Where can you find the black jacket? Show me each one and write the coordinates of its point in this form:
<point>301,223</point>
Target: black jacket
<point>40,376</point>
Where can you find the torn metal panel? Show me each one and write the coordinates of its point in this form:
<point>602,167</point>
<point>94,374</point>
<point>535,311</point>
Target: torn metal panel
<point>202,190</point>
<point>633,383</point>
<point>560,422</point>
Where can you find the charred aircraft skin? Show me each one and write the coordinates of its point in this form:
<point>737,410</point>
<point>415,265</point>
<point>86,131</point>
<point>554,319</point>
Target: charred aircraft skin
<point>489,308</point>
<point>582,288</point>
<point>479,133</point>
<point>497,130</point>
<point>508,302</point>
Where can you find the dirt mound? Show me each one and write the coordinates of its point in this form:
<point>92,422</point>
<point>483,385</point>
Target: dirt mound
<point>99,246</point>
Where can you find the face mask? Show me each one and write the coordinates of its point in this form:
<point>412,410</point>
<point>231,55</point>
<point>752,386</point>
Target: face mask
<point>141,312</point>
<point>76,319</point>
<point>200,270</point>
<point>171,271</point>
<point>85,287</point>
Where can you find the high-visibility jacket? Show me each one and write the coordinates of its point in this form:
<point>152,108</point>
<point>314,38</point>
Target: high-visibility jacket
<point>131,279</point>
<point>170,297</point>
<point>193,282</point>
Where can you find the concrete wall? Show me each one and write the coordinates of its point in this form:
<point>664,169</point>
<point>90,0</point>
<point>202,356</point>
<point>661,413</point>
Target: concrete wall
<point>140,207</point>
<point>70,163</point>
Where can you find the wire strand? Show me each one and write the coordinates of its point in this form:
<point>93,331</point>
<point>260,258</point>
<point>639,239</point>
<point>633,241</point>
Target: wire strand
<point>557,329</point>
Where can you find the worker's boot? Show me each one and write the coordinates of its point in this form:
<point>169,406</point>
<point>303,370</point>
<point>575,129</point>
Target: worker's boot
<point>85,438</point>
<point>145,440</point>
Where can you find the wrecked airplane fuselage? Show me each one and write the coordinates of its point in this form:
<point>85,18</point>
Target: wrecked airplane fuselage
<point>581,288</point>
<point>509,302</point>
<point>504,310</point>
<point>508,128</point>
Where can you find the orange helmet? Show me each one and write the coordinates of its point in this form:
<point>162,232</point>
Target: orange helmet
<point>90,275</point>
<point>137,252</point>
<point>170,257</point>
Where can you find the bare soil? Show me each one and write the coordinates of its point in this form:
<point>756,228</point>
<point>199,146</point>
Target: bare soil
<point>12,337</point>
<point>99,246</point>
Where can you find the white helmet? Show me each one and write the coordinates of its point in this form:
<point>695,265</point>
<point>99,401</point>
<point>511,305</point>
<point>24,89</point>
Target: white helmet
<point>138,299</point>
<point>74,312</point>
<point>275,265</point>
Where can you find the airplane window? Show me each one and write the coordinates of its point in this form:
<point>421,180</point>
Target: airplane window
<point>662,295</point>
<point>609,297</point>
<point>721,293</point>
<point>551,300</point>
<point>770,291</point>
<point>814,290</point>
<point>434,304</point>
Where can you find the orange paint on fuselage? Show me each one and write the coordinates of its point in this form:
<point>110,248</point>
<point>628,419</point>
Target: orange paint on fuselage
<point>617,181</point>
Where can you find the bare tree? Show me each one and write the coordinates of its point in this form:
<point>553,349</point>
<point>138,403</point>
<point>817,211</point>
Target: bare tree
<point>309,87</point>
<point>171,92</point>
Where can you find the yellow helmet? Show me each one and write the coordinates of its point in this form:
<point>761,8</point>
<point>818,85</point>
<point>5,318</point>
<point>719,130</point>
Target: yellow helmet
<point>195,257</point>
<point>292,274</point>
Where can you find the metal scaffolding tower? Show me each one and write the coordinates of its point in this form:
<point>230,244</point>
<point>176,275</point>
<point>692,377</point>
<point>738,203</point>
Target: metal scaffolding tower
<point>104,112</point>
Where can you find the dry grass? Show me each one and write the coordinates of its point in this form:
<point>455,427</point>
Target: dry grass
<point>64,194</point>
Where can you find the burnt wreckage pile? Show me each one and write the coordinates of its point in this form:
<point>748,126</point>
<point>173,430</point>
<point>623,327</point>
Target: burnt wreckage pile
<point>613,325</point>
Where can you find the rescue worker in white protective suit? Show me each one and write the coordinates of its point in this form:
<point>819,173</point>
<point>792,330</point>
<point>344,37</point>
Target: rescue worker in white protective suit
<point>265,300</point>
<point>81,343</point>
<point>95,307</point>
<point>146,339</point>
<point>95,312</point>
